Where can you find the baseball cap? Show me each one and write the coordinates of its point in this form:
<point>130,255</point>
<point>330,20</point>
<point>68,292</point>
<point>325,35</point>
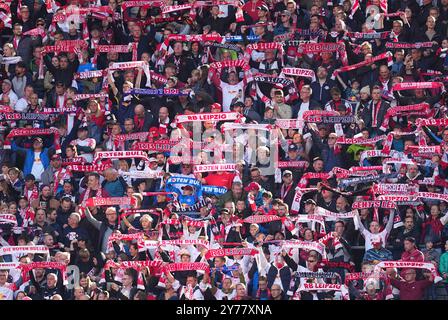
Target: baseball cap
<point>310,201</point>
<point>286,12</point>
<point>292,147</point>
<point>56,157</point>
<point>376,240</point>
<point>7,81</point>
<point>187,187</point>
<point>152,159</point>
<point>333,135</point>
<point>39,139</point>
<point>263,7</point>
<point>216,106</point>
<point>253,186</point>
<point>286,172</point>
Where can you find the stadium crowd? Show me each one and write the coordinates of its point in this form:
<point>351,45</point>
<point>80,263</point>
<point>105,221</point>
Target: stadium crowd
<point>222,149</point>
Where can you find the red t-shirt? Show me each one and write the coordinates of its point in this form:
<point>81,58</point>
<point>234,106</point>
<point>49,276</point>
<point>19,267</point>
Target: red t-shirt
<point>220,180</point>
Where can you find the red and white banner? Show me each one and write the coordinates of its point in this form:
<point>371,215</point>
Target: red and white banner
<point>214,167</point>
<point>184,242</point>
<point>385,55</point>
<point>111,201</point>
<point>432,122</point>
<point>23,250</point>
<point>187,266</point>
<point>120,155</point>
<point>132,65</point>
<point>220,116</point>
<point>334,215</point>
<point>417,85</point>
<point>212,253</point>
<point>142,136</point>
<point>360,141</point>
<point>299,72</point>
<point>373,204</point>
<point>305,245</point>
<point>403,45</point>
<point>8,218</point>
<point>261,219</point>
<point>89,167</point>
<point>410,264</point>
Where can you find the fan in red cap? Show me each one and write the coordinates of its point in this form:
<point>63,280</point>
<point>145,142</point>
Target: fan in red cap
<point>216,107</point>
<point>253,188</point>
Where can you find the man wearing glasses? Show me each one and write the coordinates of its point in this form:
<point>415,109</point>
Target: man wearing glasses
<point>410,288</point>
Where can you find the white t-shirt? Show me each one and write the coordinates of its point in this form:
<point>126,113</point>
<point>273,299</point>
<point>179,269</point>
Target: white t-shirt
<point>229,92</point>
<point>38,167</point>
<point>305,106</point>
<point>21,105</point>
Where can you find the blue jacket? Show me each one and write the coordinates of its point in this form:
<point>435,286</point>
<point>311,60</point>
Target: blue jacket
<point>29,158</point>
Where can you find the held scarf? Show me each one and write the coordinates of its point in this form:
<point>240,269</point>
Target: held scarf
<point>325,287</point>
<point>344,183</point>
<point>60,110</point>
<point>360,141</point>
<point>334,264</point>
<point>26,268</point>
<point>371,154</point>
<point>157,146</point>
<point>385,55</point>
<point>159,92</point>
<point>143,174</point>
<point>75,160</point>
<point>9,265</point>
<point>436,181</point>
<point>245,126</point>
<point>368,35</point>
<point>413,109</point>
<point>289,123</point>
<point>432,122</point>
<point>316,115</point>
<point>261,47</point>
<point>417,85</point>
<point>310,218</point>
<point>8,218</point>
<point>89,96</point>
<point>23,250</point>
<point>422,150</point>
<point>334,215</point>
<point>91,74</point>
<point>292,164</point>
<point>404,45</point>
<point>116,49</point>
<point>374,204</point>
<point>258,219</point>
<point>88,168</point>
<point>36,32</point>
<point>318,275</point>
<point>299,72</point>
<point>305,245</point>
<point>214,190</point>
<point>216,67</point>
<point>24,116</point>
<point>121,155</point>
<point>110,201</point>
<point>10,60</point>
<point>387,188</point>
<point>220,116</point>
<point>295,207</point>
<point>410,264</point>
<point>212,253</point>
<point>132,65</point>
<point>187,266</point>
<point>30,132</point>
<point>214,167</point>
<point>184,242</point>
<point>312,175</point>
<point>142,136</point>
<point>331,236</point>
<point>364,276</point>
<point>431,195</point>
<point>4,109</point>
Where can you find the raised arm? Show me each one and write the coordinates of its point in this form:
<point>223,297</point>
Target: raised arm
<point>92,220</point>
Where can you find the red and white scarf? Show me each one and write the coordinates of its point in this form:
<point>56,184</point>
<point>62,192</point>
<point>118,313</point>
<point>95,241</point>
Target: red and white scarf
<point>220,116</point>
